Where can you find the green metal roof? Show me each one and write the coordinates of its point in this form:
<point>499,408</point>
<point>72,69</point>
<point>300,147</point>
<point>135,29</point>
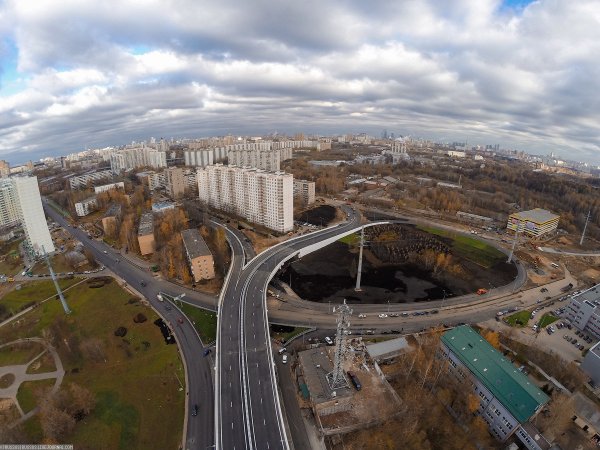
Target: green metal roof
<point>513,389</point>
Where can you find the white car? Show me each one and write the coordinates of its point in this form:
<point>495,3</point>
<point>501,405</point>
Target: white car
<point>284,359</point>
<point>382,316</point>
<point>362,316</point>
<point>282,350</point>
<point>328,340</point>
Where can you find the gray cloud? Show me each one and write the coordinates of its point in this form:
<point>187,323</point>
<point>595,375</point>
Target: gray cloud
<point>100,73</point>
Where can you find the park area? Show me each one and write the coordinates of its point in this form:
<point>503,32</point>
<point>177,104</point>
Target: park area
<point>135,379</point>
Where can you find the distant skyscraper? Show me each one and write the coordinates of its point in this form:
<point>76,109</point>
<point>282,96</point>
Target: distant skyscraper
<point>31,215</point>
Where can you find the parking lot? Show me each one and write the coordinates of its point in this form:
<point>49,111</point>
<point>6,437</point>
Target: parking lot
<point>556,342</point>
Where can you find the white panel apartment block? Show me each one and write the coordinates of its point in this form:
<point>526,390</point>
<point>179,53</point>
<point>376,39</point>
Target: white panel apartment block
<point>32,215</point>
<point>265,198</point>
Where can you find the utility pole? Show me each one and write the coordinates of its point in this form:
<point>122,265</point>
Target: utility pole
<point>585,227</point>
<point>360,256</point>
<point>56,285</point>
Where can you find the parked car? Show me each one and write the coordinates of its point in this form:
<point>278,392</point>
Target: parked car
<point>284,359</point>
<point>382,316</point>
<point>328,340</point>
<point>207,351</point>
<point>282,350</point>
<point>362,316</point>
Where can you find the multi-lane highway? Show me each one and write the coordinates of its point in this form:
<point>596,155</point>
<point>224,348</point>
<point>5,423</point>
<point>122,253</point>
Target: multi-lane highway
<point>249,413</point>
<point>200,428</point>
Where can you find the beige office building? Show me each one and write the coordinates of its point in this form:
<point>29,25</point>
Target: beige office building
<point>198,254</point>
<point>146,234</point>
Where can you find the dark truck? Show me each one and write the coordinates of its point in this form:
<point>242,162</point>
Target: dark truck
<point>567,288</point>
<point>355,380</point>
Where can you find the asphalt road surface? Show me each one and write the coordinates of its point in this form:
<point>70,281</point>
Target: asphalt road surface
<point>200,429</point>
<point>249,414</point>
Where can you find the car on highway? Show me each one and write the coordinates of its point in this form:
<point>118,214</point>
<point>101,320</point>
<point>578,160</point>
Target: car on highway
<point>362,316</point>
<point>394,315</point>
<point>180,319</point>
<point>104,251</point>
<point>382,316</point>
<point>207,351</point>
<point>143,283</point>
<point>328,340</point>
<point>284,359</point>
<point>195,410</point>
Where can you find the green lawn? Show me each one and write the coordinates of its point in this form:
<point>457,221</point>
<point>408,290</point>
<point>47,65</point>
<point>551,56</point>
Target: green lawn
<point>519,319</point>
<point>19,353</point>
<point>204,321</point>
<point>284,337</point>
<point>12,259</point>
<point>546,320</point>
<point>136,380</point>
<point>33,291</point>
<point>26,395</point>
<point>351,239</point>
<point>469,248</point>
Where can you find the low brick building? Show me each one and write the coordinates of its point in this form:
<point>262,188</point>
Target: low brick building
<point>198,254</point>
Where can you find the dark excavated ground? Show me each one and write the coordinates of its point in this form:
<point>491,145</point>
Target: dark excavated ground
<point>329,275</point>
<point>321,215</point>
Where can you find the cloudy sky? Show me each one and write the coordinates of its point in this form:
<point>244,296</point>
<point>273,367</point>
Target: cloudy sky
<point>76,74</point>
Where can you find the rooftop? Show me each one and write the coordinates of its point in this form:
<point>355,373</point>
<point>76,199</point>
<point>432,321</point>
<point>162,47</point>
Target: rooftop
<point>496,373</point>
<point>386,348</point>
<point>194,244</point>
<point>146,224</point>
<point>113,210</point>
<point>536,215</point>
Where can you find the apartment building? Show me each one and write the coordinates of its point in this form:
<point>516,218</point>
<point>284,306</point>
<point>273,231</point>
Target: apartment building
<point>175,182</point>
<point>305,190</point>
<point>261,159</point>
<point>31,215</point>
<point>198,255</point>
<point>9,208</point>
<point>85,207</point>
<point>132,158</point>
<point>199,158</point>
<point>533,223</point>
<point>161,207</point>
<point>108,187</point>
<point>583,311</point>
<point>508,400</point>
<point>82,181</point>
<point>265,198</point>
<point>4,169</point>
<point>110,219</point>
<point>146,234</point>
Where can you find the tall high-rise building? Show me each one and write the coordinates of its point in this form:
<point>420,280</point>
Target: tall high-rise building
<point>4,169</point>
<point>132,158</point>
<point>9,211</point>
<point>265,198</point>
<point>31,215</point>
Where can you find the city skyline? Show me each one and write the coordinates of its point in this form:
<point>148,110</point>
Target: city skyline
<point>518,73</point>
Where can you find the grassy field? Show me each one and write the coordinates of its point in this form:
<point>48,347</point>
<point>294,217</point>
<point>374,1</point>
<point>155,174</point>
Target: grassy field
<point>469,248</point>
<point>546,320</point>
<point>136,379</point>
<point>519,319</point>
<point>19,353</point>
<point>10,265</point>
<point>351,239</point>
<point>204,321</point>
<point>33,291</point>
<point>26,396</point>
<point>284,337</point>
